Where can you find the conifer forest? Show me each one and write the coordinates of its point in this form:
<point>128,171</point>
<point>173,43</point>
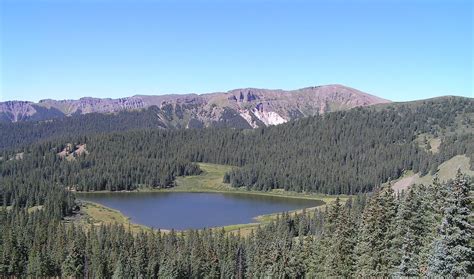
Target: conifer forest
<point>371,231</point>
<point>209,139</point>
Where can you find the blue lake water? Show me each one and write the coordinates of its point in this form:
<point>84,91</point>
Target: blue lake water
<point>195,210</point>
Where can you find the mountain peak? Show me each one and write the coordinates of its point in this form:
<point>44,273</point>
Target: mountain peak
<point>251,107</point>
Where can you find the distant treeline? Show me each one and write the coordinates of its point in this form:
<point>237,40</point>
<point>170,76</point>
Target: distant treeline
<point>22,134</point>
<point>425,232</point>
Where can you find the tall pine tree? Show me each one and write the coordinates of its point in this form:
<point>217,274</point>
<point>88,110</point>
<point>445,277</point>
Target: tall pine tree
<point>375,244</point>
<point>452,253</point>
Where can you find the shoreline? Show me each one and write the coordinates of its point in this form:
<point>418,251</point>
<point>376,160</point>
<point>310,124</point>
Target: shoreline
<point>274,193</point>
<point>210,181</point>
<point>114,216</point>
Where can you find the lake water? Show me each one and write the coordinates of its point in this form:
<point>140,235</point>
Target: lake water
<point>195,210</point>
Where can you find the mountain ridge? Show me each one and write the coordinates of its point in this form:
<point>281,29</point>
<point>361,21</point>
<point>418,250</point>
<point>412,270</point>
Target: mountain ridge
<point>249,107</point>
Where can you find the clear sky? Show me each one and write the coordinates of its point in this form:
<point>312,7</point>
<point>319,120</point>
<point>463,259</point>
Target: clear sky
<point>396,49</point>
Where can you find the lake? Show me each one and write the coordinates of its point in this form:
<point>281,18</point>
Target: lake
<point>178,210</point>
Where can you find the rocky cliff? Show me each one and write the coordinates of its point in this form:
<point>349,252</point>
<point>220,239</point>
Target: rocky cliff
<point>240,108</point>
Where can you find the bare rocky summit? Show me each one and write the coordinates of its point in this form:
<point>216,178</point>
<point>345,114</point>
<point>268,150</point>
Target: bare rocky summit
<point>240,108</point>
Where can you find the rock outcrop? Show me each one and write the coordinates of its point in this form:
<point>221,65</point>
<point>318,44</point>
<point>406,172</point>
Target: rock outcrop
<point>249,107</point>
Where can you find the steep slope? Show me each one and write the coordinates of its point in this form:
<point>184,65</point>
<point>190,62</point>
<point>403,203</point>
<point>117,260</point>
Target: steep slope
<point>239,108</point>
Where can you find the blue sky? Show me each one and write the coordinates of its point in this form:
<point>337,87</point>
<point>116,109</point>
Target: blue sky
<point>396,49</point>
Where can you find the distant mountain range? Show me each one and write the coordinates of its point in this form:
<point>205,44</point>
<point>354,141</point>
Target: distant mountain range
<point>239,108</point>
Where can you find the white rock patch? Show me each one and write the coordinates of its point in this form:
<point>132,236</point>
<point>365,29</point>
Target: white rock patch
<point>246,115</point>
<point>269,117</point>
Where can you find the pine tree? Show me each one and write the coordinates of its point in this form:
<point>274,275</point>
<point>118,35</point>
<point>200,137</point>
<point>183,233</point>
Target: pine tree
<point>140,260</point>
<point>324,256</point>
<point>119,272</point>
<point>433,200</point>
<point>412,227</point>
<point>374,247</point>
<point>240,262</point>
<point>340,255</point>
<point>73,265</point>
<point>452,254</point>
<point>36,265</point>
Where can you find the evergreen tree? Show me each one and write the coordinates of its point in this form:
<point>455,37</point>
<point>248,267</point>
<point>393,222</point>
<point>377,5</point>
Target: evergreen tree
<point>73,265</point>
<point>413,225</point>
<point>340,261</point>
<point>374,246</point>
<point>37,265</point>
<point>452,253</point>
<point>433,199</point>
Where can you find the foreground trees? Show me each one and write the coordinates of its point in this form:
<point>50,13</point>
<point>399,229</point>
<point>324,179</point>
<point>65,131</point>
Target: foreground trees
<point>375,240</point>
<point>453,254</point>
<point>417,233</point>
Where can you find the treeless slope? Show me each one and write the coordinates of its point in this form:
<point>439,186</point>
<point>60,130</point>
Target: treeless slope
<point>446,171</point>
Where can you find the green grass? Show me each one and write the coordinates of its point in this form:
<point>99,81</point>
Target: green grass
<point>96,214</point>
<point>434,142</point>
<point>447,170</point>
<point>211,180</point>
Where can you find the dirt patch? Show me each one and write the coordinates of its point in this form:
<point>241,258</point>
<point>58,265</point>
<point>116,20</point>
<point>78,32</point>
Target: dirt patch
<point>405,182</point>
<point>435,143</point>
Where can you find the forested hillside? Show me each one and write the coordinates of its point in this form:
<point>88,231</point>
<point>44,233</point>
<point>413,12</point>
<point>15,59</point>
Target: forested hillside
<point>343,152</point>
<point>25,133</point>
